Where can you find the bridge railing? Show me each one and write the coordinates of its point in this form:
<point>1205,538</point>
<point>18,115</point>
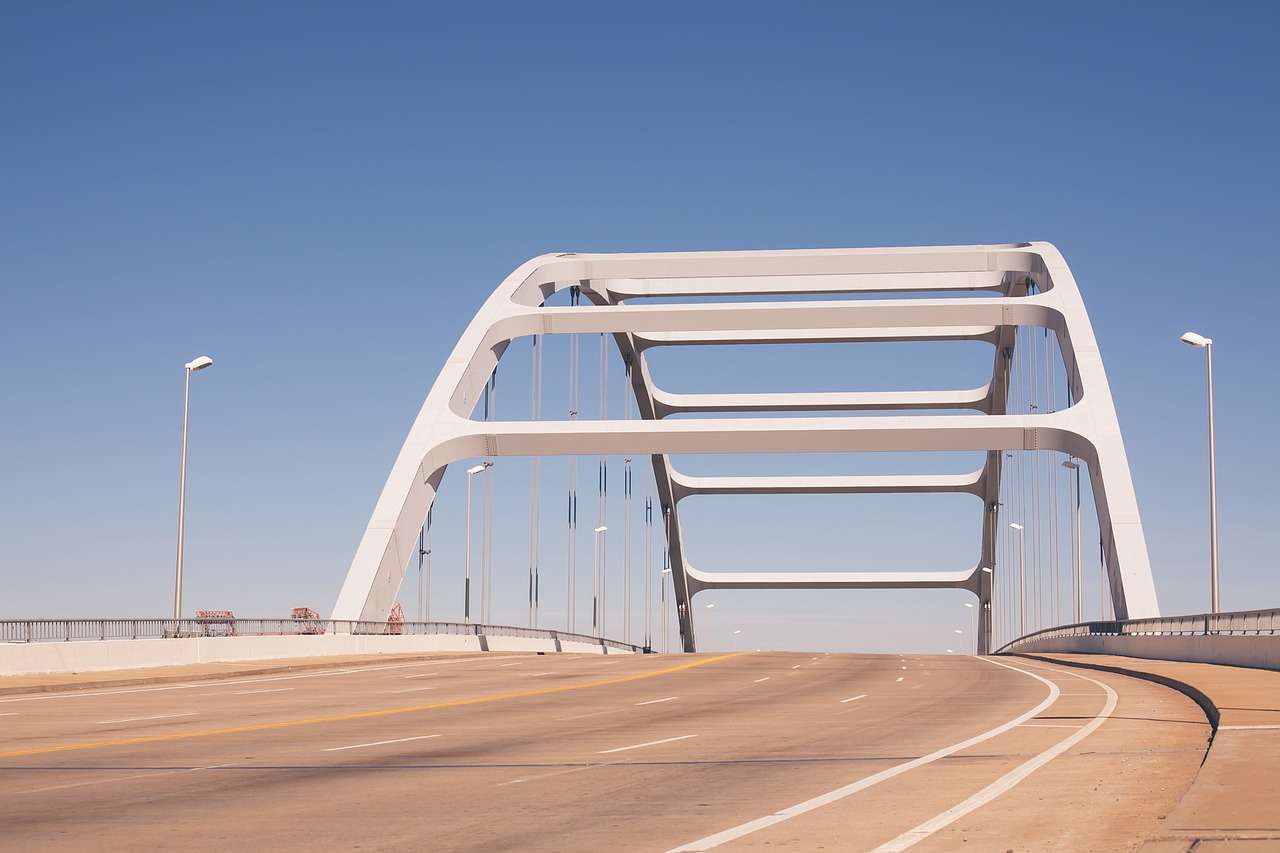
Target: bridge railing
<point>66,630</point>
<point>1240,623</point>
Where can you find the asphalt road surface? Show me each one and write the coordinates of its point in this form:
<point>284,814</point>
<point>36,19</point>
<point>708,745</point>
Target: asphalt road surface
<point>762,751</point>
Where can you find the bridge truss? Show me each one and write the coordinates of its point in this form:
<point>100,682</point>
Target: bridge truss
<point>1030,286</point>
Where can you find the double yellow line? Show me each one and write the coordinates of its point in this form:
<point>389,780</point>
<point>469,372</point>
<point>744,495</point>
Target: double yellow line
<point>360,715</point>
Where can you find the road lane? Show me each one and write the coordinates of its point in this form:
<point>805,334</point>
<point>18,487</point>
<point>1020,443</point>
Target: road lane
<point>582,769</point>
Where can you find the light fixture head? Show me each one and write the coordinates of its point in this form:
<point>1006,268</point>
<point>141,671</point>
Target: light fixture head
<point>476,469</point>
<point>958,631</point>
<point>738,631</point>
<point>1195,339</point>
<point>199,363</point>
<point>1015,525</point>
<point>968,604</point>
<point>1072,465</point>
<point>601,529</point>
<point>709,606</point>
<point>986,569</point>
<point>666,571</point>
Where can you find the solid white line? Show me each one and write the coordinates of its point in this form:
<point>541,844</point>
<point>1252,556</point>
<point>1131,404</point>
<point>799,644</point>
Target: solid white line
<point>641,745</point>
<point>409,690</point>
<point>656,701</point>
<point>797,666</point>
<point>421,675</point>
<point>853,698</point>
<point>379,743</point>
<point>10,714</point>
<point>713,841</point>
<point>914,836</point>
<point>758,680</point>
<point>138,719</point>
<point>1050,726</point>
<point>1238,728</point>
<point>270,690</point>
<point>536,674</point>
<point>501,665</point>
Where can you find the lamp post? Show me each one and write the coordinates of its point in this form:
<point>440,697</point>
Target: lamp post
<point>663,606</point>
<point>987,611</point>
<point>466,584</point>
<point>597,585</point>
<point>1022,579</point>
<point>1206,344</point>
<point>1076,580</point>
<point>190,367</point>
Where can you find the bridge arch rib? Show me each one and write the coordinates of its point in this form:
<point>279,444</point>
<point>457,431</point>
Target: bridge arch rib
<point>617,285</point>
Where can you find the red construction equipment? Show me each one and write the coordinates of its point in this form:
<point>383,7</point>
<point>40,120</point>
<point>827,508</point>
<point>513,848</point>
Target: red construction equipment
<point>395,620</point>
<point>309,621</point>
<point>216,623</point>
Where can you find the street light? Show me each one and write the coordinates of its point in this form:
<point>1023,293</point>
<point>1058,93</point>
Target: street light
<point>1206,344</point>
<point>466,585</point>
<point>663,605</point>
<point>597,586</point>
<point>1022,578</point>
<point>199,363</point>
<point>1076,579</point>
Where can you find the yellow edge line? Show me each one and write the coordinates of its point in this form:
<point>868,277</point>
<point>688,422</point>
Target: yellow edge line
<point>360,715</point>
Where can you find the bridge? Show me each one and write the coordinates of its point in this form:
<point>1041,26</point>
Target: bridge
<point>571,731</point>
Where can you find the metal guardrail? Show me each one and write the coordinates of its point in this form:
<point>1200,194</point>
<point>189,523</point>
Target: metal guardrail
<point>66,630</point>
<point>1240,623</point>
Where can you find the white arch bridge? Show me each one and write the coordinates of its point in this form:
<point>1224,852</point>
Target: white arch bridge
<point>802,296</point>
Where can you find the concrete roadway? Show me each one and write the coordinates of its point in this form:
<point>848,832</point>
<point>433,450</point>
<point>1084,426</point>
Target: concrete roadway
<point>587,753</point>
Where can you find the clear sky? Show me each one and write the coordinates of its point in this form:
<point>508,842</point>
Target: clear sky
<point>320,195</point>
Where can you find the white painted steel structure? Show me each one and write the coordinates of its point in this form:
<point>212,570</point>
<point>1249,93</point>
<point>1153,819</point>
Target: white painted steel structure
<point>617,287</point>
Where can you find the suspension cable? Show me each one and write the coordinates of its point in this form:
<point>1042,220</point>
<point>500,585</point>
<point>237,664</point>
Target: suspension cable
<point>571,550</point>
<point>602,509</point>
<point>648,570</point>
<point>626,513</point>
<point>535,471</point>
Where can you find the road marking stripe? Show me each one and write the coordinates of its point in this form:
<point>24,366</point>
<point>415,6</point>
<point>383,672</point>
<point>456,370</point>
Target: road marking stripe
<point>797,666</point>
<point>113,779</point>
<point>656,701</point>
<point>758,680</point>
<point>421,675</point>
<point>366,715</point>
<point>139,719</point>
<point>900,677</point>
<point>1238,728</point>
<point>1050,726</point>
<point>734,833</point>
<point>641,745</point>
<point>410,690</point>
<point>536,674</point>
<point>914,836</point>
<point>853,698</point>
<point>379,743</point>
<point>269,690</point>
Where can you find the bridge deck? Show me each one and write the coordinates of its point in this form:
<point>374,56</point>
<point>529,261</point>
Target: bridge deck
<point>564,752</point>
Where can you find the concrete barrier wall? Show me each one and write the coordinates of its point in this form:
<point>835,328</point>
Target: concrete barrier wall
<point>1261,652</point>
<point>100,655</point>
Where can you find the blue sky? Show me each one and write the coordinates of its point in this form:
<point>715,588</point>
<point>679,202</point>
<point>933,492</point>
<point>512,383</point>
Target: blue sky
<point>320,195</point>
